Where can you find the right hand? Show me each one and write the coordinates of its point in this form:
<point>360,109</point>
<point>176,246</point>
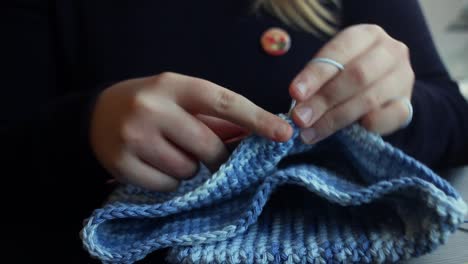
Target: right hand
<point>152,131</point>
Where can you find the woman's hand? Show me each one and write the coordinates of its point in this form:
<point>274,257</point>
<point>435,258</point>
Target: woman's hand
<point>372,88</point>
<point>153,131</point>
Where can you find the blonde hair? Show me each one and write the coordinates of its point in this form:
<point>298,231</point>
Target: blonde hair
<point>320,17</point>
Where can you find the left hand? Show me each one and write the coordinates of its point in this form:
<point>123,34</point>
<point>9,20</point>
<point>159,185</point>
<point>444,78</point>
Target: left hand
<point>377,74</point>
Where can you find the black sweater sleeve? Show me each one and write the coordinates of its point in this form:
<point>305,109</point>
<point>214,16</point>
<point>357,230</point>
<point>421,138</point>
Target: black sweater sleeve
<point>438,134</point>
<point>43,130</point>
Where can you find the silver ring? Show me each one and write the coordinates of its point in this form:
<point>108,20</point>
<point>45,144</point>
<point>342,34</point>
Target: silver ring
<point>318,60</point>
<point>410,110</point>
<point>328,61</point>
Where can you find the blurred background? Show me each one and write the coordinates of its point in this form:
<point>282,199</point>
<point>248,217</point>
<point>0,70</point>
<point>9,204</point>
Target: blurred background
<point>448,21</point>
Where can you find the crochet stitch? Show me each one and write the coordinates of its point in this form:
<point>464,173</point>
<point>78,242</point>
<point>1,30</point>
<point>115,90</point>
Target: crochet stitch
<point>352,198</point>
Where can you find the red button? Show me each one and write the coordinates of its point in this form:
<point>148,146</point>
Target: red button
<point>275,41</point>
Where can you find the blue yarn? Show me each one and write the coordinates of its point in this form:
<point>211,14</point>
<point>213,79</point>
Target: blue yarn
<point>350,199</point>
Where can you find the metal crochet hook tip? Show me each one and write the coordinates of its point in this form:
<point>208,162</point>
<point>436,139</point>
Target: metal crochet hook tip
<point>293,104</point>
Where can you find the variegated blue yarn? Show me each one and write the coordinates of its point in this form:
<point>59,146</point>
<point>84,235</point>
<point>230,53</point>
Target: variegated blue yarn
<point>367,202</point>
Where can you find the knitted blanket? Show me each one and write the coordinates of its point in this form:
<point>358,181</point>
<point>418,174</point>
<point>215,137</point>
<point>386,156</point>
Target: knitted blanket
<point>350,199</point>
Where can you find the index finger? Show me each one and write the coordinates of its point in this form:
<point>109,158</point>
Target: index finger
<point>343,48</point>
<point>200,96</point>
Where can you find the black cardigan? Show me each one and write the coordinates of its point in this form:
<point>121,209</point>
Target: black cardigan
<point>57,56</point>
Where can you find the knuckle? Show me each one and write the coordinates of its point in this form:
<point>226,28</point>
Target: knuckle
<point>356,30</point>
<point>165,76</point>
<point>225,101</point>
<point>369,102</point>
<point>358,74</point>
<point>374,29</point>
<point>352,29</point>
<point>398,47</point>
<point>138,101</point>
<point>160,80</point>
<point>146,100</point>
<point>141,101</point>
<point>131,135</point>
<point>402,47</point>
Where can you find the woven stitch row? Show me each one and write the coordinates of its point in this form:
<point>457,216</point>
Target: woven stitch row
<point>390,208</point>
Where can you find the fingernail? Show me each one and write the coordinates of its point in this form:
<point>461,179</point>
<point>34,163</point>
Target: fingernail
<point>308,135</point>
<point>302,88</point>
<point>304,113</point>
